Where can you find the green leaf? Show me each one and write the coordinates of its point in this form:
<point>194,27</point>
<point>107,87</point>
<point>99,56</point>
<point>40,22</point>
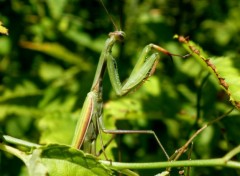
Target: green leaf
<point>57,51</point>
<point>20,100</point>
<point>56,7</point>
<point>63,160</point>
<point>56,127</point>
<point>54,159</point>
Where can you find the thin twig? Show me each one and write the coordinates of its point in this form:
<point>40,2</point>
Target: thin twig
<point>180,151</point>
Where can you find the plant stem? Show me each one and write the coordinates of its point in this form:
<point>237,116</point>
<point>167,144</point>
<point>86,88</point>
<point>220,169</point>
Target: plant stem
<point>21,155</point>
<point>17,141</point>
<point>232,153</point>
<point>223,162</point>
<point>180,151</point>
<point>186,163</point>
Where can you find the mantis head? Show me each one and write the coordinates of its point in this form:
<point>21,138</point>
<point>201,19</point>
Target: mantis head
<point>118,35</point>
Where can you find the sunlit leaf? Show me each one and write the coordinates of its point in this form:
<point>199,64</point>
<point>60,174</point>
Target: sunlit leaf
<point>56,127</point>
<point>57,51</point>
<point>57,159</point>
<point>62,160</point>
<point>56,8</point>
<point>20,100</point>
<point>3,29</point>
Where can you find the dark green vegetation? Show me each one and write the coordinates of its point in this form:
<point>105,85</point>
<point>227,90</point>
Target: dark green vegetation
<point>48,61</point>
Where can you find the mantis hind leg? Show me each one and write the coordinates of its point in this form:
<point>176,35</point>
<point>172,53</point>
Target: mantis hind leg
<point>115,132</point>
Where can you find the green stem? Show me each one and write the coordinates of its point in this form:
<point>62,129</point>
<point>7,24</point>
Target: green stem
<point>17,141</point>
<point>186,163</point>
<point>232,153</point>
<point>224,162</point>
<point>21,155</point>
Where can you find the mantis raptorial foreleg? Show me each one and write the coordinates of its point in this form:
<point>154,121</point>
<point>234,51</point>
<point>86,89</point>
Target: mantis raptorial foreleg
<point>144,68</point>
<point>90,120</point>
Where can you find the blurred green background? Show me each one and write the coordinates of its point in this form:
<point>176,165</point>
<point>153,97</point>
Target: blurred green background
<point>48,61</point>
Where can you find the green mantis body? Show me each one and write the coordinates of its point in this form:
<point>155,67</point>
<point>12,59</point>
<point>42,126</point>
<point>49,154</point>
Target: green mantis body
<point>90,121</point>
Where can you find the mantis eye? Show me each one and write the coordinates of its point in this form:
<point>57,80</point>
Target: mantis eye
<point>121,36</point>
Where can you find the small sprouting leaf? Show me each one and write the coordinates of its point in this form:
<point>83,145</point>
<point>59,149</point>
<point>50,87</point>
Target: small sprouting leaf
<point>225,69</point>
<point>164,173</point>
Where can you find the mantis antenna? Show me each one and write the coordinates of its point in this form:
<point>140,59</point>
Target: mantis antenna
<point>110,17</point>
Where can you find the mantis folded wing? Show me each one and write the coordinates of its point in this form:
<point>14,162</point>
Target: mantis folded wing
<point>90,120</point>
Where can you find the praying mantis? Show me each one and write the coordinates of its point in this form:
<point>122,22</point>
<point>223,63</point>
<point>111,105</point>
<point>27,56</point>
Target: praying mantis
<point>90,121</point>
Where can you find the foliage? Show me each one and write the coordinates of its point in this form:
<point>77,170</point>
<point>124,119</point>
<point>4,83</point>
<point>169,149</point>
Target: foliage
<point>60,160</point>
<point>48,60</point>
